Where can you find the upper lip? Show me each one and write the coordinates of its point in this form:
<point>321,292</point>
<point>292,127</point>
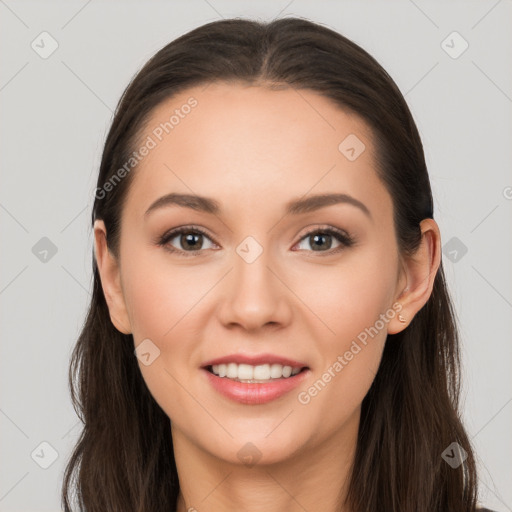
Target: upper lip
<point>255,360</point>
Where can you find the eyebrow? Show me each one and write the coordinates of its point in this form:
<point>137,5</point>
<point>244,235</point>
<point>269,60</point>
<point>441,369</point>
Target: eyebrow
<point>294,207</point>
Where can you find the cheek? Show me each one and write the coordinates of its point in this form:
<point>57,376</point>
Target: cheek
<point>162,299</point>
<point>160,294</point>
<point>352,302</point>
<point>349,297</point>
<point>165,303</point>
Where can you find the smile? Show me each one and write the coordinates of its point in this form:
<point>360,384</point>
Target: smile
<point>253,374</point>
<point>255,391</point>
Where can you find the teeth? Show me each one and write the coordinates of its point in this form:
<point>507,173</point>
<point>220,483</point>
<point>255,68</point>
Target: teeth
<point>247,372</point>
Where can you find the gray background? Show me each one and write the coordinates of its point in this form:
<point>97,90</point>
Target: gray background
<point>55,115</point>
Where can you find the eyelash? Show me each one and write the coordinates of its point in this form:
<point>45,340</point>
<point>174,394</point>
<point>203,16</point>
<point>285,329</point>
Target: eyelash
<point>344,238</point>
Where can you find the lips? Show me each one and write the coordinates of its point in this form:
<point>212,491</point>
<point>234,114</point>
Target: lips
<point>254,393</point>
<point>255,360</point>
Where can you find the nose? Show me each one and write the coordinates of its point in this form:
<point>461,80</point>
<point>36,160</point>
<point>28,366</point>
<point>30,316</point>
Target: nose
<point>255,293</point>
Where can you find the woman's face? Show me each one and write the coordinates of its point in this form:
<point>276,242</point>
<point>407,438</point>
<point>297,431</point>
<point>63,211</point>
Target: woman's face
<point>261,280</point>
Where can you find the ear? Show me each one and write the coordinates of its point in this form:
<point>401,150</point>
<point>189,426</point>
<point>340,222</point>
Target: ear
<point>417,276</point>
<point>109,270</point>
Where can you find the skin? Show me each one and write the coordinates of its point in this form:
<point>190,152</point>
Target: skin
<point>253,150</point>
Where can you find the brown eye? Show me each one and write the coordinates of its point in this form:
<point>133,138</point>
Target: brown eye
<point>191,240</point>
<point>321,240</point>
<point>185,240</point>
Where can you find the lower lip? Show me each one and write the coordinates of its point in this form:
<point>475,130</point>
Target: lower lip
<point>254,394</point>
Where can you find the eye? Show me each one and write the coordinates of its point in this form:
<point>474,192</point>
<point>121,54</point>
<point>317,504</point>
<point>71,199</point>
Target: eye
<point>188,237</point>
<point>190,240</point>
<point>320,239</point>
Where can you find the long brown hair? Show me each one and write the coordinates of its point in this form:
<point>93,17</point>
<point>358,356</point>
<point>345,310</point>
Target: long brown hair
<point>123,460</point>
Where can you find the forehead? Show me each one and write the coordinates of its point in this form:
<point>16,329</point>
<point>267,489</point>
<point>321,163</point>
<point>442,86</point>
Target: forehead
<point>232,140</point>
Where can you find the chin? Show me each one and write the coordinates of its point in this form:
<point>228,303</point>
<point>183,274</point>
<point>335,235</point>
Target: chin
<point>250,448</point>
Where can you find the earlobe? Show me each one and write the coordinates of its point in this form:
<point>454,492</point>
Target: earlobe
<point>419,271</point>
<point>108,268</point>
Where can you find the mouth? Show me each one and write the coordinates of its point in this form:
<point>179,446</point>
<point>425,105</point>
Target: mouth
<point>254,384</point>
<point>255,374</point>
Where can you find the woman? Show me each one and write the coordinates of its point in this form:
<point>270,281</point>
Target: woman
<point>233,358</point>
